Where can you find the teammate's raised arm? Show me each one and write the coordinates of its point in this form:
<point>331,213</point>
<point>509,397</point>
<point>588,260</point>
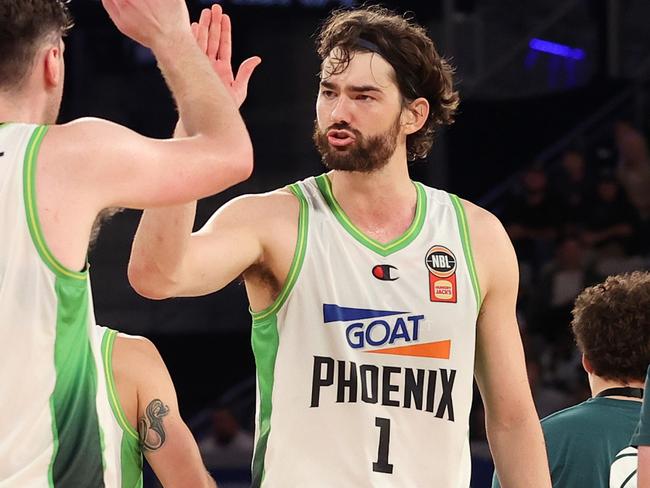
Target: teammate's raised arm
<point>110,165</point>
<point>165,263</point>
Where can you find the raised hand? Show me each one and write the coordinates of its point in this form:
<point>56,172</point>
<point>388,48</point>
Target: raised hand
<point>213,34</point>
<point>150,22</point>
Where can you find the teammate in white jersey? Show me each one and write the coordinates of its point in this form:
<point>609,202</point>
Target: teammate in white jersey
<point>54,181</point>
<point>367,296</point>
<point>140,402</point>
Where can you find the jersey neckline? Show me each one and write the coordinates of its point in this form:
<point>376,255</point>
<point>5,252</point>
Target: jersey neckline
<point>325,186</point>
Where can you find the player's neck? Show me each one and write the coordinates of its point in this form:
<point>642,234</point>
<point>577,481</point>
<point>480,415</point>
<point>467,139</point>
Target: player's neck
<point>381,204</point>
<point>388,186</point>
<point>598,384</point>
<point>22,107</point>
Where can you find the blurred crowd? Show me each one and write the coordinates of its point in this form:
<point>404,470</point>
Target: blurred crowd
<point>573,222</point>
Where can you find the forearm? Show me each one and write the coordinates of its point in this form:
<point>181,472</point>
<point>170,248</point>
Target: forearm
<point>509,442</point>
<point>160,244</point>
<point>644,467</point>
<point>204,104</point>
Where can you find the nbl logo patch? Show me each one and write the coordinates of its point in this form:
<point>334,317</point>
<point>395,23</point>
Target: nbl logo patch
<point>441,264</point>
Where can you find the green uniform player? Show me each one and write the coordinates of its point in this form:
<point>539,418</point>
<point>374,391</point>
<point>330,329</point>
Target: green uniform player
<point>610,326</point>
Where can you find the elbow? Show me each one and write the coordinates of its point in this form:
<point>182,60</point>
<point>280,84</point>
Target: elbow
<point>147,283</point>
<point>243,161</point>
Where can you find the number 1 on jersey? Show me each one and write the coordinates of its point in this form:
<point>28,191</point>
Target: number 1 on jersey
<point>382,465</point>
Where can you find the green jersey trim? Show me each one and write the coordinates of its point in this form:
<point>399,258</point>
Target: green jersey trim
<point>467,247</point>
<point>325,187</point>
<point>265,340</point>
<point>130,452</point>
<point>77,457</point>
<point>33,222</point>
<point>298,257</point>
<point>108,342</point>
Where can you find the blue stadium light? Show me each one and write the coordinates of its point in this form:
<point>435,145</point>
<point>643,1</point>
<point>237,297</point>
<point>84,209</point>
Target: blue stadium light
<point>556,49</point>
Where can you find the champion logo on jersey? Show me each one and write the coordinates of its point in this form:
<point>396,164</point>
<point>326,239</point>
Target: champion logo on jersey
<point>441,264</point>
<point>377,331</point>
<point>385,272</point>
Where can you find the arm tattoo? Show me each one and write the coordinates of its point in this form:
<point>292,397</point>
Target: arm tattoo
<point>150,426</point>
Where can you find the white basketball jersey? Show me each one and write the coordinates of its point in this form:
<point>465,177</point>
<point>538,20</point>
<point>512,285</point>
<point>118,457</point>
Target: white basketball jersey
<point>121,442</point>
<point>365,361</point>
<point>50,432</point>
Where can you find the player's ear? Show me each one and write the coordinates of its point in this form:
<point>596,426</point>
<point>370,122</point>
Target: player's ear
<point>587,365</point>
<point>53,65</point>
<point>415,115</point>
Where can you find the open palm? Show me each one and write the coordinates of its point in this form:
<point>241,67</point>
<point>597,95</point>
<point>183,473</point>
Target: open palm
<point>213,34</point>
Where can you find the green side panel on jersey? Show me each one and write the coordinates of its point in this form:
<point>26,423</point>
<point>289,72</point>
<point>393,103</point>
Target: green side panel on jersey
<point>77,455</point>
<point>29,195</point>
<point>325,187</point>
<point>265,342</point>
<point>130,452</point>
<point>77,444</point>
<point>298,258</point>
<point>467,247</point>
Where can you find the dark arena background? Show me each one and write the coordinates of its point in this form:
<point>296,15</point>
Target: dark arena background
<point>554,96</point>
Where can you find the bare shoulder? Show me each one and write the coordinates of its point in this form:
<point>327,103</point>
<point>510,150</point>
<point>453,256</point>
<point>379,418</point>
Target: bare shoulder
<point>86,133</point>
<point>481,221</point>
<point>266,204</point>
<point>261,210</point>
<point>494,255</point>
<point>133,355</point>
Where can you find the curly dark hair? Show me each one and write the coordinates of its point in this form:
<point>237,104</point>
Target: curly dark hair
<point>419,69</point>
<point>23,23</point>
<point>611,325</point>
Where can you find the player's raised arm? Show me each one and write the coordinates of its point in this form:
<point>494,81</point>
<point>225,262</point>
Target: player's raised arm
<point>110,165</point>
<point>512,424</point>
<point>165,260</point>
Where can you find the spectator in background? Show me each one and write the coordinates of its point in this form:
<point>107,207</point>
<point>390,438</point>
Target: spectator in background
<point>228,446</point>
<point>531,218</point>
<point>633,171</point>
<point>611,223</point>
<point>560,283</point>
<point>572,185</point>
<point>610,324</point>
<point>548,399</point>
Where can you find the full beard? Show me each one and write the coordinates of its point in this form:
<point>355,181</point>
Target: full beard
<point>365,154</point>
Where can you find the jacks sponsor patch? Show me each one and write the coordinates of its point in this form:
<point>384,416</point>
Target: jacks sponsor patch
<point>441,264</point>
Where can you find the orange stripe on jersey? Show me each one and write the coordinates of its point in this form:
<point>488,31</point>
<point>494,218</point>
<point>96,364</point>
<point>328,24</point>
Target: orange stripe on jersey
<point>438,350</point>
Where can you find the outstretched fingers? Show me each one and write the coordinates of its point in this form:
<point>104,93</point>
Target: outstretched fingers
<point>203,29</point>
<point>225,43</point>
<point>214,35</point>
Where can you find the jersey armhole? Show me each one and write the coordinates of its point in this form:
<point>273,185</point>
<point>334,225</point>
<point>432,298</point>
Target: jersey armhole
<point>463,228</point>
<point>31,211</point>
<point>108,342</point>
<point>298,259</point>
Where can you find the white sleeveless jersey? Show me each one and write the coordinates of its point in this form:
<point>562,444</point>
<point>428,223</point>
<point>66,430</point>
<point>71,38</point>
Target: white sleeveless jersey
<point>365,361</point>
<point>50,434</point>
<point>121,442</point>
